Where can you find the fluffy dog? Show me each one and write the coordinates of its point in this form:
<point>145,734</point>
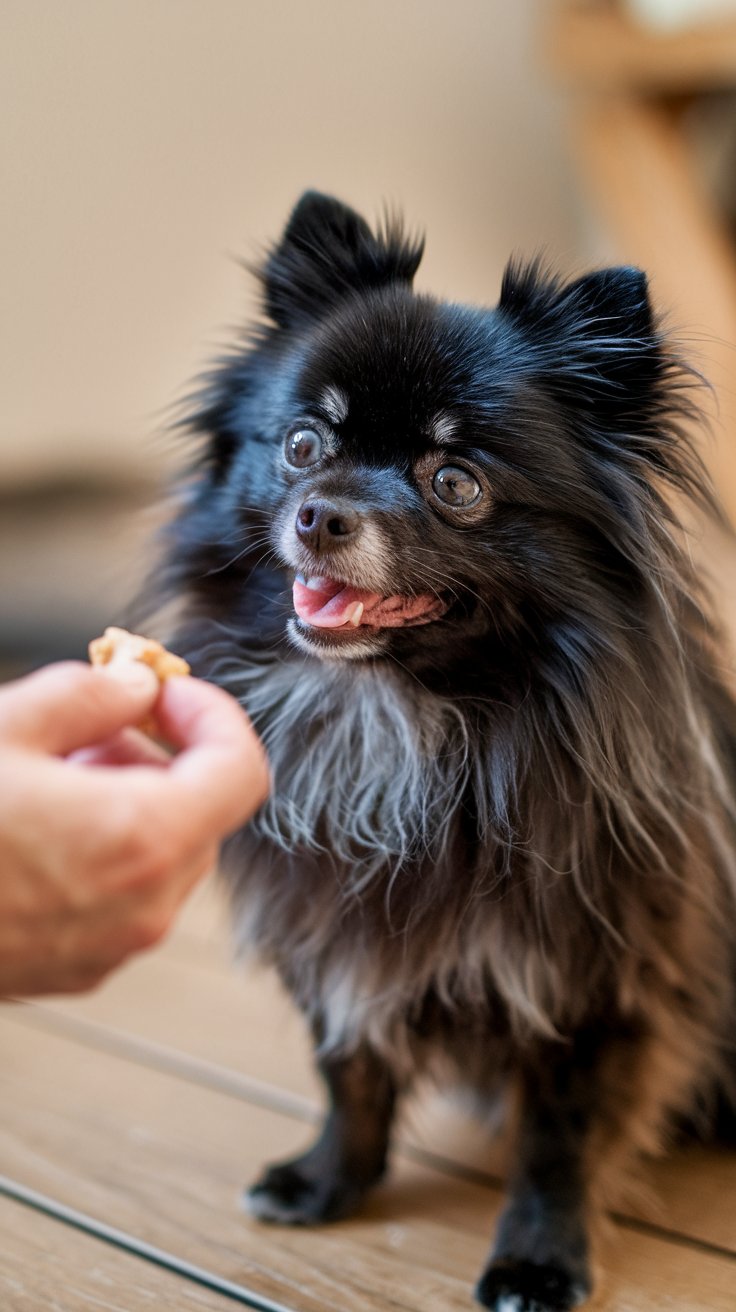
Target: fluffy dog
<point>434,551</point>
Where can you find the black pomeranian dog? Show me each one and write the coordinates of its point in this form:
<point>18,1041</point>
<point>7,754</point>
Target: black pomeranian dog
<point>434,551</point>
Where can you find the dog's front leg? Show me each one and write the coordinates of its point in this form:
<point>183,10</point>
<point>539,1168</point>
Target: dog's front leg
<point>350,1154</point>
<point>540,1259</point>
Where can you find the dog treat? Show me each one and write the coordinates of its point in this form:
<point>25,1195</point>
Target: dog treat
<point>120,645</point>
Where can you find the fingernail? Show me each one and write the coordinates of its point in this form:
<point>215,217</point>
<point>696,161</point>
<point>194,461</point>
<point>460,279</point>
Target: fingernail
<point>135,675</point>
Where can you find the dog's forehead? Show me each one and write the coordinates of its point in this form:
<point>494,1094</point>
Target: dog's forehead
<point>389,364</point>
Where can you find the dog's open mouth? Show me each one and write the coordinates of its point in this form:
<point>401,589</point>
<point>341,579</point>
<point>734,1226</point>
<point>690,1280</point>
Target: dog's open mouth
<point>326,603</point>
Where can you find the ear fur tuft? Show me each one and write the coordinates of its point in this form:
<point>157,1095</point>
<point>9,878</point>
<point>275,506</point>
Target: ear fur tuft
<point>606,303</point>
<point>328,252</point>
<point>593,342</point>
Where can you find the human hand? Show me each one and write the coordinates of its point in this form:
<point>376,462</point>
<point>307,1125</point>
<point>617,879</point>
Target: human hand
<point>102,833</point>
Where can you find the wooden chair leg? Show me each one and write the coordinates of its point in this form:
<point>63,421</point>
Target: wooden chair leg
<point>635,158</point>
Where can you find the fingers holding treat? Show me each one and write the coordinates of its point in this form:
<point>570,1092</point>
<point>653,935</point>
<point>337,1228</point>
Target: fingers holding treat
<point>219,762</point>
<point>118,647</point>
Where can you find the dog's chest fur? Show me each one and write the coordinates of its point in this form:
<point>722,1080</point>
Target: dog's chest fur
<point>372,877</point>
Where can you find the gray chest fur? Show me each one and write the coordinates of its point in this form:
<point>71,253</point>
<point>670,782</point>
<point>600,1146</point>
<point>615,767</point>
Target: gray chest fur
<point>365,766</point>
<point>346,879</point>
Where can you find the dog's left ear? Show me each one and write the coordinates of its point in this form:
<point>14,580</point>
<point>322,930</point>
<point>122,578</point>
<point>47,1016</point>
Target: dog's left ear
<point>328,252</point>
<point>614,303</point>
<point>596,343</point>
<point>601,306</point>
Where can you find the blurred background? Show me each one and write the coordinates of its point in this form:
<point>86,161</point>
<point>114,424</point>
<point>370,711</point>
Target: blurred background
<point>148,146</point>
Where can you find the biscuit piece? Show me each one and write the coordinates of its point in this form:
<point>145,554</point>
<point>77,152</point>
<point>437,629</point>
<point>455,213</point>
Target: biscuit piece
<point>119,645</point>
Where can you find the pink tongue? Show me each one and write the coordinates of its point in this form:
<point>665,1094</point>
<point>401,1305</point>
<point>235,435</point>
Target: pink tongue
<point>332,604</point>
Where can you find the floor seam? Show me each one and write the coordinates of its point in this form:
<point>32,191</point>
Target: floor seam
<point>125,1242</point>
<point>260,1093</point>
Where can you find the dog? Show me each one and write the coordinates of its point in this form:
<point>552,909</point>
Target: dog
<point>436,553</point>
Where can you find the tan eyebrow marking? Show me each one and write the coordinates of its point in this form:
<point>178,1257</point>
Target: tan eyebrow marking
<point>335,405</point>
<point>443,427</point>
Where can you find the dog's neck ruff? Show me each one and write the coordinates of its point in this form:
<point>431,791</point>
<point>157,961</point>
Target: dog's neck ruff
<point>366,765</point>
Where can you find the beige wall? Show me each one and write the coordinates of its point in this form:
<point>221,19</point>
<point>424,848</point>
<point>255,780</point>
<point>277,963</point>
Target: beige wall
<point>146,142</point>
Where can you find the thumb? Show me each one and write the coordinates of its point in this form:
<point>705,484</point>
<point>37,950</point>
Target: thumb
<point>71,705</point>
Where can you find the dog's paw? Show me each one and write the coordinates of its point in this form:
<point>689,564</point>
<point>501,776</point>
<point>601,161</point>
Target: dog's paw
<point>520,1286</point>
<point>288,1195</point>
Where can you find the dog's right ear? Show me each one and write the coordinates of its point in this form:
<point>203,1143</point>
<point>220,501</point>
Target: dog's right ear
<point>328,252</point>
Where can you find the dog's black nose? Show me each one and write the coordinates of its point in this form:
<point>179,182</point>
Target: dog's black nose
<point>322,524</point>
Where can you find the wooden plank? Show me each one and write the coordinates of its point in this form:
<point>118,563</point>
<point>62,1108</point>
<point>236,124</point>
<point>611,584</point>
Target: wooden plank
<point>598,46</point>
<point>228,1017</point>
<point>45,1264</point>
<point>164,1160</point>
<point>227,1026</point>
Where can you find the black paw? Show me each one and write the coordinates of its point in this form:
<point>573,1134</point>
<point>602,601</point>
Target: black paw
<point>289,1195</point>
<point>519,1286</point>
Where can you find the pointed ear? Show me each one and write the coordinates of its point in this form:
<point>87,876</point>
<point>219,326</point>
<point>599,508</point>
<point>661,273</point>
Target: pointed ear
<point>617,299</point>
<point>597,341</point>
<point>609,302</point>
<point>326,253</point>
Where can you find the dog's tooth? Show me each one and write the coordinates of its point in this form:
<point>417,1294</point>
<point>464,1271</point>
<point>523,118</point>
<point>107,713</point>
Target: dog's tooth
<point>314,582</point>
<point>357,614</point>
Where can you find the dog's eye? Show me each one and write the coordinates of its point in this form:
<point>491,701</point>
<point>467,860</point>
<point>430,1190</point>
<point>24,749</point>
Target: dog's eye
<point>456,487</point>
<point>303,448</point>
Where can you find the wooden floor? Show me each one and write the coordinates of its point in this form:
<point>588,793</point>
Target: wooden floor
<point>131,1119</point>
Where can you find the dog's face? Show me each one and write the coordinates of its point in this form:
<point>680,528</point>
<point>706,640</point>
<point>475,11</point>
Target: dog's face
<point>386,487</point>
<point>437,481</point>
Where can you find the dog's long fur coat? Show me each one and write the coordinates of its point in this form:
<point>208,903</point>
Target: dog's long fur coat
<point>503,838</point>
